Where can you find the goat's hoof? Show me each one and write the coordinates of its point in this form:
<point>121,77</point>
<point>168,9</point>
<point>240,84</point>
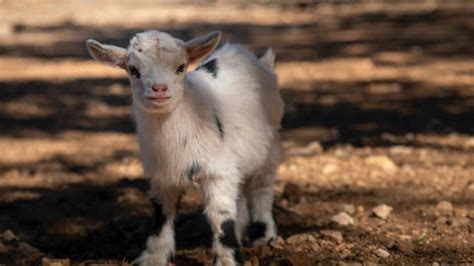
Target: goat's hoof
<point>151,259</point>
<point>262,241</point>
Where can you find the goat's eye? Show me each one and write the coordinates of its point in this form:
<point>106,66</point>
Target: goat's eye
<point>180,69</point>
<point>134,71</point>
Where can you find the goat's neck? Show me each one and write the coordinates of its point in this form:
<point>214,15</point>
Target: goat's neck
<point>185,119</point>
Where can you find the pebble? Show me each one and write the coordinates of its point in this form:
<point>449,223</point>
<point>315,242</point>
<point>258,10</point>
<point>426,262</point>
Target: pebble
<point>28,250</point>
<point>277,243</point>
<point>300,238</point>
<point>9,236</point>
<point>333,235</point>
<point>444,208</point>
<point>330,168</point>
<point>400,150</point>
<point>386,241</point>
<point>360,209</point>
<point>284,203</point>
<point>461,213</point>
<point>470,186</point>
<point>265,251</point>
<point>442,221</point>
<point>315,247</point>
<point>313,147</point>
<point>348,208</point>
<point>383,162</point>
<point>382,253</point>
<point>3,248</point>
<point>404,247</point>
<point>343,219</point>
<point>55,262</point>
<point>292,193</point>
<point>382,211</point>
<point>459,221</point>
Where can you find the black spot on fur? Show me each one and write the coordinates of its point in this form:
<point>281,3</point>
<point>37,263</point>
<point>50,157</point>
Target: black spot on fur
<point>193,170</point>
<point>159,217</point>
<point>219,125</point>
<point>210,66</point>
<point>229,239</point>
<point>256,230</point>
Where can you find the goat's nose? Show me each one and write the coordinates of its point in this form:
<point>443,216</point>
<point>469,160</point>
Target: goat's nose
<point>159,88</point>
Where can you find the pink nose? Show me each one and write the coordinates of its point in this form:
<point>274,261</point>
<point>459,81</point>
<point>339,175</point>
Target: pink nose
<point>159,88</point>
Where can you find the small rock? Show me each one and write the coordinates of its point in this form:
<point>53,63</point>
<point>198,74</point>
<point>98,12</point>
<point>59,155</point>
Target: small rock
<point>300,238</point>
<point>284,203</point>
<point>461,213</point>
<point>3,248</point>
<point>442,221</point>
<point>459,221</point>
<point>404,247</point>
<point>382,211</point>
<point>277,243</point>
<point>343,219</point>
<point>470,186</point>
<point>386,241</point>
<point>330,168</point>
<point>67,228</point>
<point>292,193</point>
<point>348,208</point>
<point>55,262</point>
<point>382,253</point>
<point>9,236</point>
<point>28,250</point>
<point>313,147</point>
<point>360,209</point>
<point>444,208</point>
<point>333,235</point>
<point>469,142</point>
<point>383,162</point>
<point>315,247</point>
<point>400,150</point>
<point>344,253</point>
<point>265,251</point>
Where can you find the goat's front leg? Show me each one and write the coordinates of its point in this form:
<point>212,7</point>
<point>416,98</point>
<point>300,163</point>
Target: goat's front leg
<point>160,246</point>
<point>221,210</point>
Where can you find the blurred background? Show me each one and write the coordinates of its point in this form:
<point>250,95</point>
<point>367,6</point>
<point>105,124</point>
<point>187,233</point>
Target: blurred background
<point>378,134</point>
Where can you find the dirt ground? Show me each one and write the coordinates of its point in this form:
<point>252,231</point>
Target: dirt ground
<point>379,110</point>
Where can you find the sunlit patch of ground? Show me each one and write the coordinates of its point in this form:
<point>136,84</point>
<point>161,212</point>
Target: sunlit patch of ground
<point>379,110</point>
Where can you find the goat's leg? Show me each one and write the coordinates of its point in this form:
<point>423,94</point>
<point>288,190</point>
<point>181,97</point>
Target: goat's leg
<point>221,211</point>
<point>160,246</point>
<point>262,227</point>
<point>242,217</point>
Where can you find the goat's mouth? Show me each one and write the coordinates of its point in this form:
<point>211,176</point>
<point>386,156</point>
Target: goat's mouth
<point>157,100</point>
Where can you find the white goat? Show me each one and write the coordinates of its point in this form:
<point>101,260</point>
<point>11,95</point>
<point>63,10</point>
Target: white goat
<point>215,128</point>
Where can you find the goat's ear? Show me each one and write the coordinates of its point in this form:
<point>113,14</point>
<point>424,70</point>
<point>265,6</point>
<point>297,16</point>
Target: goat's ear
<point>200,47</point>
<point>109,54</point>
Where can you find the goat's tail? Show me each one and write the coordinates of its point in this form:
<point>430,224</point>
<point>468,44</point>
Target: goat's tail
<point>268,59</point>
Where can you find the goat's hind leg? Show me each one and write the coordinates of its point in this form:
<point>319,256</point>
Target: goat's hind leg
<point>160,246</point>
<point>262,227</point>
<point>242,220</point>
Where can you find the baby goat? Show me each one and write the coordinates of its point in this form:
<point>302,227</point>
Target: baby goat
<point>215,128</point>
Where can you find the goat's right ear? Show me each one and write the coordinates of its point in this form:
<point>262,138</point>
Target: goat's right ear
<point>108,54</point>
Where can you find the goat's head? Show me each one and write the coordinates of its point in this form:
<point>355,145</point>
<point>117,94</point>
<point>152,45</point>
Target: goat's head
<point>156,64</point>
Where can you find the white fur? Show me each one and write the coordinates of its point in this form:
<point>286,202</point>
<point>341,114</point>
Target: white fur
<point>245,99</point>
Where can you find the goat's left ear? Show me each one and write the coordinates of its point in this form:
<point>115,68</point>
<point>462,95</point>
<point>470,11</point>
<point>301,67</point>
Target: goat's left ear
<point>200,47</point>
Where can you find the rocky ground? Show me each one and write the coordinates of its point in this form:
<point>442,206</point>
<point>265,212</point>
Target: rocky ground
<point>378,134</point>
